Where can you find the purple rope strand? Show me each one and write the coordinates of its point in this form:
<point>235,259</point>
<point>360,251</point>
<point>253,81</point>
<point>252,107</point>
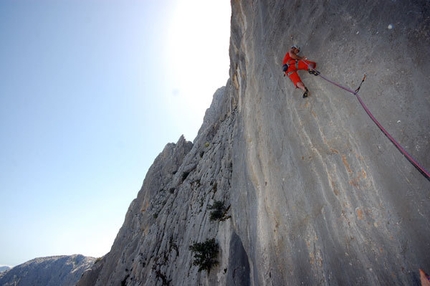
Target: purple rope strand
<point>421,169</point>
<point>399,147</point>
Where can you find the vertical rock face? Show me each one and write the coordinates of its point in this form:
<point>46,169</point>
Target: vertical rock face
<point>314,193</point>
<point>326,198</point>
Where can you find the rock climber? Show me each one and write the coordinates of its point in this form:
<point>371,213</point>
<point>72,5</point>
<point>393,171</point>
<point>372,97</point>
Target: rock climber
<point>292,63</point>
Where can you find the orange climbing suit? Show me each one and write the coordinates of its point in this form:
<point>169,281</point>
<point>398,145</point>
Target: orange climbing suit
<point>294,66</point>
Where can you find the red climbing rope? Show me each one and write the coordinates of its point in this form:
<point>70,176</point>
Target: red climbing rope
<point>421,169</point>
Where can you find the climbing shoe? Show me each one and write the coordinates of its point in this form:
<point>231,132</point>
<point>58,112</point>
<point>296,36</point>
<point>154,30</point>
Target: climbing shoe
<point>314,72</point>
<point>306,94</point>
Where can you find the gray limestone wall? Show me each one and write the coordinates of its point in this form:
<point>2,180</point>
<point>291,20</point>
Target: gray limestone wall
<point>322,195</point>
<point>315,193</point>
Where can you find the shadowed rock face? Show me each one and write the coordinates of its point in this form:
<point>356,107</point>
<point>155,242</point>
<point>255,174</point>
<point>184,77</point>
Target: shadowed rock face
<point>315,193</point>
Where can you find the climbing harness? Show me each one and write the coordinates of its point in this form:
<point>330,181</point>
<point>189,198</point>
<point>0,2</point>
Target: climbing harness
<point>287,65</point>
<point>421,169</point>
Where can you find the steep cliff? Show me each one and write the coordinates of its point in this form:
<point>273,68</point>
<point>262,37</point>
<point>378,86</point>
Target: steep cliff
<point>313,192</point>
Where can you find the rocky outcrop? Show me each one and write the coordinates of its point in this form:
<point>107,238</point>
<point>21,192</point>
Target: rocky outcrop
<point>171,211</point>
<point>48,271</point>
<point>313,192</point>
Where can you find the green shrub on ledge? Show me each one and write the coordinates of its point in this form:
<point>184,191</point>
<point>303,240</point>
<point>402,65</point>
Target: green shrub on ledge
<point>205,254</point>
<point>219,211</point>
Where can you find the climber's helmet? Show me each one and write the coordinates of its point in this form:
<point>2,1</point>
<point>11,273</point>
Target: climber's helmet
<point>295,47</point>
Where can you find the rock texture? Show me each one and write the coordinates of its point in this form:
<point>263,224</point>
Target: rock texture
<point>314,193</point>
<point>171,211</point>
<point>48,271</point>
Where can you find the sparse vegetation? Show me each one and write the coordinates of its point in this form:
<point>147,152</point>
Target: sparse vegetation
<point>205,254</point>
<point>160,275</point>
<point>219,211</point>
<point>98,259</point>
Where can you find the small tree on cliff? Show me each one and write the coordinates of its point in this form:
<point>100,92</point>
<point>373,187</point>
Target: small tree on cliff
<point>205,254</point>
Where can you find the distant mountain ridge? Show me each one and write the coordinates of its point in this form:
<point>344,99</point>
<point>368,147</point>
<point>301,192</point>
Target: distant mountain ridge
<point>63,270</point>
<point>4,268</point>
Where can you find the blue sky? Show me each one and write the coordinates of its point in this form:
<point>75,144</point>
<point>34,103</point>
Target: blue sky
<point>90,93</point>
